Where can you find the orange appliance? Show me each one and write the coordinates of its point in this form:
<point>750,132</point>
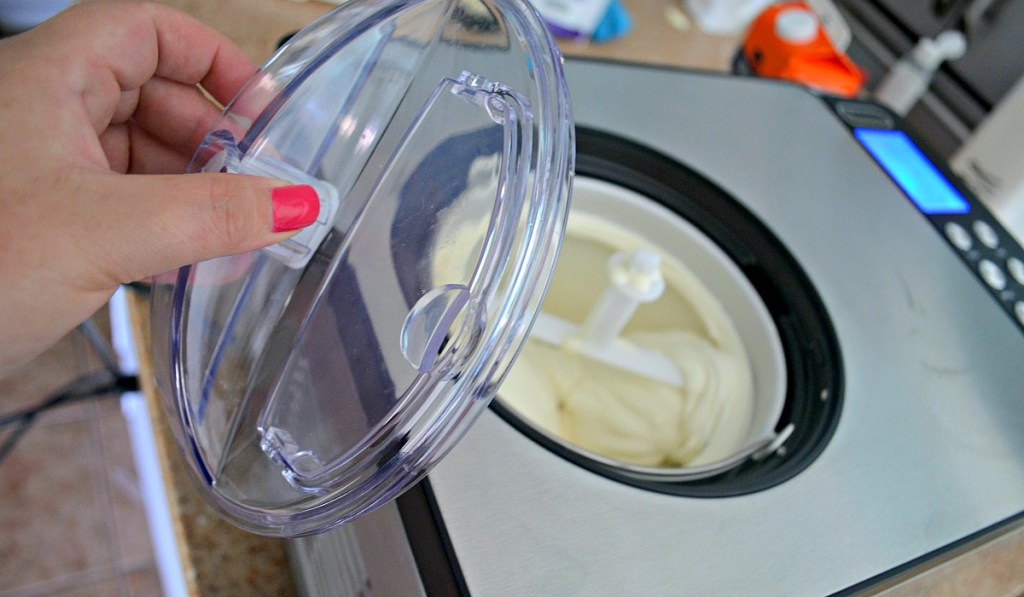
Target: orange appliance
<point>787,41</point>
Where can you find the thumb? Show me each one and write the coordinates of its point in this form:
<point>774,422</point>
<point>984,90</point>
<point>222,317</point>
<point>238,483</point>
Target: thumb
<point>161,223</point>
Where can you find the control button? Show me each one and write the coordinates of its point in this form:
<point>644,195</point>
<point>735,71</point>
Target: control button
<point>959,236</point>
<point>1016,268</point>
<point>1018,310</point>
<point>992,274</point>
<point>986,234</point>
<point>860,114</point>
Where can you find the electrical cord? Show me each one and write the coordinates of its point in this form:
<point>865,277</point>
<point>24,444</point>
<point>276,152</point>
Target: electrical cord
<point>96,385</point>
<point>108,382</point>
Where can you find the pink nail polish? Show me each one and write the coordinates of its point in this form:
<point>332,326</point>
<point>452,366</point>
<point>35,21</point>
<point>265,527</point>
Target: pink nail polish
<point>295,207</point>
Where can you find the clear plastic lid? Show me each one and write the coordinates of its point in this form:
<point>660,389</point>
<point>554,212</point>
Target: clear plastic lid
<point>314,380</point>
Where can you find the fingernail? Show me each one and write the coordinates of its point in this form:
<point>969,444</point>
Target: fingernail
<point>295,207</point>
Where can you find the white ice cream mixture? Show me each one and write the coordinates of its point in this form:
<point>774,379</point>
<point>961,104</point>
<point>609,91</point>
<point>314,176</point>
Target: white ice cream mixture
<point>605,410</point>
<point>620,415</point>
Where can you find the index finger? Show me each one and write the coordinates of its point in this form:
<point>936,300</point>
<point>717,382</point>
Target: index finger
<point>135,42</point>
<point>193,53</point>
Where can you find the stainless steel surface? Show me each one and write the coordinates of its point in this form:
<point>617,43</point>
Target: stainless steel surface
<point>930,445</point>
<point>369,556</point>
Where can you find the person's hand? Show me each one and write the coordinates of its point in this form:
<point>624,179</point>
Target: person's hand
<point>98,106</point>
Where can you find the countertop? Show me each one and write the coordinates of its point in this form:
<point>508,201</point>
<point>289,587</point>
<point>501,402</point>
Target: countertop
<point>220,559</point>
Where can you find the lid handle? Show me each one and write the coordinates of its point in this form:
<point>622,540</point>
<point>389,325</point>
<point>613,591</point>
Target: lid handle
<point>222,155</point>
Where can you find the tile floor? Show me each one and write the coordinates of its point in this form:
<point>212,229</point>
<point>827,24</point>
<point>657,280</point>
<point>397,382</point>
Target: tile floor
<point>71,516</point>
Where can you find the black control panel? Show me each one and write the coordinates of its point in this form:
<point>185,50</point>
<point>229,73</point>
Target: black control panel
<point>983,244</point>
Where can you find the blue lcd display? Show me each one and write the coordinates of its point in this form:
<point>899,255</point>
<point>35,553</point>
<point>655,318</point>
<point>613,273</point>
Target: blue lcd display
<point>930,191</point>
